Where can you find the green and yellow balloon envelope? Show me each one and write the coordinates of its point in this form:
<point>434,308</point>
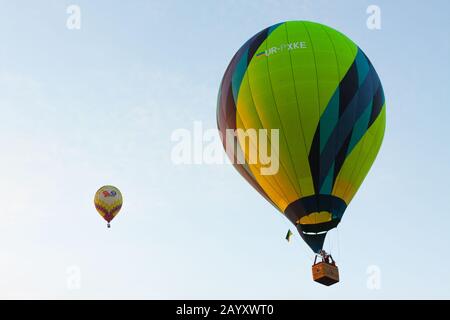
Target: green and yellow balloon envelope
<point>323,94</point>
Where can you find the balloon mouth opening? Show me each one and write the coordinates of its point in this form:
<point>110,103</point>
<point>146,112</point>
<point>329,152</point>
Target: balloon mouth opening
<point>315,218</point>
<point>313,233</point>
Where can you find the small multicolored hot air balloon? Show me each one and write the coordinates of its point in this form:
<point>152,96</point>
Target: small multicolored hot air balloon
<point>108,202</point>
<point>319,89</point>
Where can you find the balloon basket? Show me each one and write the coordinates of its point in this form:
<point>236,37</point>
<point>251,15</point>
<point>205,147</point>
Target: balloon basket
<point>325,273</point>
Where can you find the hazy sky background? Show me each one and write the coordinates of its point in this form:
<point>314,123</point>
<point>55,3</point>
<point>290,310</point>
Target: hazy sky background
<point>84,108</point>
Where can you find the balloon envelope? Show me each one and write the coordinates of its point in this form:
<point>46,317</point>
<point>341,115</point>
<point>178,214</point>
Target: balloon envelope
<point>319,89</point>
<point>108,202</point>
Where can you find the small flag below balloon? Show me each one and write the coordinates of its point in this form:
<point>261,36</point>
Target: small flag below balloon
<point>289,235</point>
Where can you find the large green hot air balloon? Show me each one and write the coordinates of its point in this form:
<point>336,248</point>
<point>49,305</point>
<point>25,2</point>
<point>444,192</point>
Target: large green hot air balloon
<point>323,94</point>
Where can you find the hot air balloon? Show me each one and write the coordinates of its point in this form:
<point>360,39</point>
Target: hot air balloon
<point>323,95</point>
<point>108,202</point>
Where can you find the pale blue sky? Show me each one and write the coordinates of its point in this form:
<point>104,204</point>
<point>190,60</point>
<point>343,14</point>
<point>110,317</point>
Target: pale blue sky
<point>84,108</point>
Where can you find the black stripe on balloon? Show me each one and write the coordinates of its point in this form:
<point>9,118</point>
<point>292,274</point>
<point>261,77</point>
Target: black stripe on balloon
<point>314,159</point>
<point>348,87</point>
<point>341,155</point>
<point>256,42</point>
<point>377,104</point>
<point>343,129</point>
<point>347,90</point>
